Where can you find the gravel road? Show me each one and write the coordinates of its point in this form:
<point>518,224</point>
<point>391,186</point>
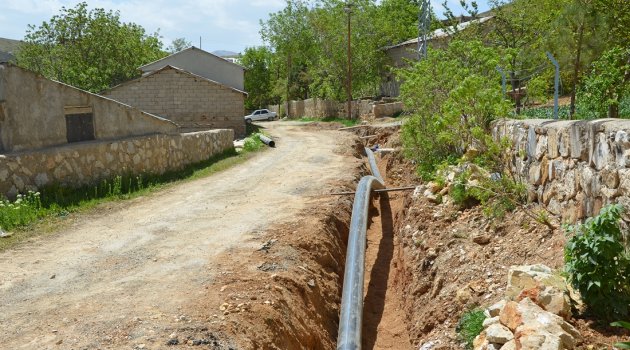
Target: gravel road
<point>121,275</point>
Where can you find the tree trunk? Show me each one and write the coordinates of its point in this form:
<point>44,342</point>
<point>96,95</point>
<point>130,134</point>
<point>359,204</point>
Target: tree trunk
<point>576,69</point>
<point>288,92</point>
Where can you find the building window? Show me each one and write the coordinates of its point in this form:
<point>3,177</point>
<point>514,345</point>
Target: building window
<point>79,124</point>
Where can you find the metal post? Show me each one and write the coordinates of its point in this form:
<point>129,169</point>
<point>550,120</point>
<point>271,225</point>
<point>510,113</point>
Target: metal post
<point>556,85</point>
<point>503,80</point>
<point>424,26</point>
<point>348,10</point>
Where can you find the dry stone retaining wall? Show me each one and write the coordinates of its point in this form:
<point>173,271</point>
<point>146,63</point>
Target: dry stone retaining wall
<point>572,167</point>
<point>87,163</point>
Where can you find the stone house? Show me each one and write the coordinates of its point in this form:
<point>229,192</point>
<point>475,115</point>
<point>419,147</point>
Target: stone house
<point>192,101</point>
<point>53,133</point>
<point>36,112</point>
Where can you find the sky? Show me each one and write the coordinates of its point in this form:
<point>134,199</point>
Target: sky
<point>222,24</point>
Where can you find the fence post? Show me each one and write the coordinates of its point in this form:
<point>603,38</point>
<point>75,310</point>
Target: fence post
<point>556,85</point>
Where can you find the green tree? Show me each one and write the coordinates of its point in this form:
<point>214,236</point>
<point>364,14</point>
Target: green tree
<point>92,50</point>
<point>454,95</point>
<point>258,76</point>
<point>178,45</point>
<point>290,36</point>
<point>578,39</point>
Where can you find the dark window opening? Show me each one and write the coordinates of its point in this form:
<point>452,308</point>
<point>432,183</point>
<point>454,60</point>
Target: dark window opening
<point>80,127</point>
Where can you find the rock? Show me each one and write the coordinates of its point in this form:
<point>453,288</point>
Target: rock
<point>534,327</point>
<point>538,283</point>
<point>311,283</point>
<point>490,321</point>
<point>481,238</point>
<point>463,295</point>
<point>53,276</point>
<point>419,191</point>
<point>511,345</point>
<point>498,334</point>
<point>495,310</point>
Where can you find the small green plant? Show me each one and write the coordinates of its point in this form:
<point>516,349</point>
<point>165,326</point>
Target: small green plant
<point>597,263</point>
<point>25,209</point>
<point>626,325</point>
<point>470,326</point>
<point>253,143</point>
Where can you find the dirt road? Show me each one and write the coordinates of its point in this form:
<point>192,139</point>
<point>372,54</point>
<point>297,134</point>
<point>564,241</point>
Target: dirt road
<point>119,277</point>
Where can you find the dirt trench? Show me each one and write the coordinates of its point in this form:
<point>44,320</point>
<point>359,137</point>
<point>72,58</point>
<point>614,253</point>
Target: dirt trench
<point>251,258</point>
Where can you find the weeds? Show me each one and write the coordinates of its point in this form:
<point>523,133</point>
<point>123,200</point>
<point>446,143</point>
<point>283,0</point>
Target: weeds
<point>470,326</point>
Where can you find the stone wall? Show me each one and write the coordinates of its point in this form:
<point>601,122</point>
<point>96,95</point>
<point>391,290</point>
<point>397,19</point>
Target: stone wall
<point>87,163</point>
<point>572,167</point>
<point>33,112</point>
<point>192,102</point>
<point>318,108</point>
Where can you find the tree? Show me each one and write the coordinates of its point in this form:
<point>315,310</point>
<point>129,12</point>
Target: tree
<point>290,36</point>
<point>178,45</point>
<point>92,50</point>
<point>578,39</point>
<point>453,95</point>
<point>258,76</point>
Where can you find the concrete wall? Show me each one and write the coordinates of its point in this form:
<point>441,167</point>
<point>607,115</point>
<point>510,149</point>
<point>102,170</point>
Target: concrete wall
<point>204,64</point>
<point>192,102</point>
<point>572,167</point>
<point>87,163</point>
<point>32,113</point>
<point>382,110</point>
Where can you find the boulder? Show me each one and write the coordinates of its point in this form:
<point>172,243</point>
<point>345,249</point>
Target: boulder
<point>498,334</point>
<point>538,283</point>
<point>535,328</point>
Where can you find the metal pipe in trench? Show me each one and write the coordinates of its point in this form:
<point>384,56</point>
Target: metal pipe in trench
<point>351,315</point>
<point>267,141</point>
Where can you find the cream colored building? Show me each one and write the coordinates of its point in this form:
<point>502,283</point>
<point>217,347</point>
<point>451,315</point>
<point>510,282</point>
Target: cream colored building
<point>193,88</point>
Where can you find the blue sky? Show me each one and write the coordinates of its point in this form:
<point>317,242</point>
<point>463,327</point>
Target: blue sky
<point>222,24</point>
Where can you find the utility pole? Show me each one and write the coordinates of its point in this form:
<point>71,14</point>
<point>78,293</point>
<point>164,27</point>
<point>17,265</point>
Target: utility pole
<point>348,10</point>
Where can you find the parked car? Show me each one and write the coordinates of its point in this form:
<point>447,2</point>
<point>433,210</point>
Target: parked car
<point>260,114</point>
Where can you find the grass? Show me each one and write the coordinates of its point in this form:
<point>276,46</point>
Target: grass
<point>470,326</point>
<point>345,122</point>
<point>42,212</point>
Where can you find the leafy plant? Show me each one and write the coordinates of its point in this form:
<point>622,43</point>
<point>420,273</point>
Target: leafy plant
<point>253,143</point>
<point>626,325</point>
<point>470,326</point>
<point>597,263</point>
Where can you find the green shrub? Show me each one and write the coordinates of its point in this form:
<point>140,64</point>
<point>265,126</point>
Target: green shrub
<point>470,326</point>
<point>597,263</point>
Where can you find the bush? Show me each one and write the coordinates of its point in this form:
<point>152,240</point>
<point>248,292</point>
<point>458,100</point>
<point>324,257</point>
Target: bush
<point>253,143</point>
<point>597,263</point>
<point>452,94</point>
<point>470,326</point>
<point>605,87</point>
